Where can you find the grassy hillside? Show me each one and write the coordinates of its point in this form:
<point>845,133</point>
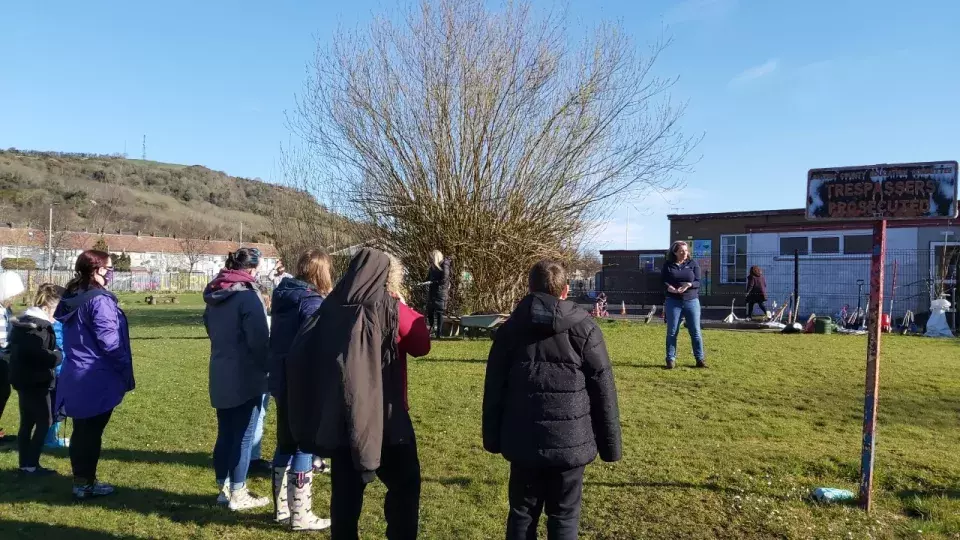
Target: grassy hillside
<point>114,193</point>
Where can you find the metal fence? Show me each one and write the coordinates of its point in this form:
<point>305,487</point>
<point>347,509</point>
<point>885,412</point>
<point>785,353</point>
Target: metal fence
<point>126,281</point>
<point>826,283</point>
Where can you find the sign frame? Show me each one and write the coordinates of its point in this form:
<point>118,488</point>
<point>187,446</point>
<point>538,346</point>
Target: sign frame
<point>877,261</point>
<point>879,170</point>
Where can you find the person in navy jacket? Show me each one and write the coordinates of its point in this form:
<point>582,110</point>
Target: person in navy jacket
<point>681,278</point>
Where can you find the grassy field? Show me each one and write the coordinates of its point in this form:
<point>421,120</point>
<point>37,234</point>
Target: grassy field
<point>729,452</point>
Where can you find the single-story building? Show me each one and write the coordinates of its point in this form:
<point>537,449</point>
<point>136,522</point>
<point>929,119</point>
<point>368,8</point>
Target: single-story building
<point>829,260</point>
<point>632,275</point>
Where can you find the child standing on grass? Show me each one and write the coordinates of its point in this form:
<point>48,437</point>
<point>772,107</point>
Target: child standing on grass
<point>549,405</point>
<point>33,358</point>
<point>54,438</point>
<point>11,286</point>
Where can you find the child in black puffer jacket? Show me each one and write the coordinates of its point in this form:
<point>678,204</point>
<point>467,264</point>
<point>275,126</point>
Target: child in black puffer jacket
<point>34,358</point>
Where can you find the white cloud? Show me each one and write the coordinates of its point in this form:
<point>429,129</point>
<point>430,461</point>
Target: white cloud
<point>755,72</point>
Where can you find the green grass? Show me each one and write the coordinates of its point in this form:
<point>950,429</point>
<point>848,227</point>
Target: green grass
<point>730,452</point>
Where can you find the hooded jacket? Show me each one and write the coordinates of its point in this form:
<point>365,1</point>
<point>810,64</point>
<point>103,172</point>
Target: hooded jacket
<point>439,291</point>
<point>98,369</point>
<point>293,302</point>
<point>345,381</point>
<point>34,356</point>
<point>236,322</point>
<point>549,396</point>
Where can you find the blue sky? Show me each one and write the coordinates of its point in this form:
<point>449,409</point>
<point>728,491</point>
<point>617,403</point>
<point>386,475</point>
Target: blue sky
<point>776,87</point>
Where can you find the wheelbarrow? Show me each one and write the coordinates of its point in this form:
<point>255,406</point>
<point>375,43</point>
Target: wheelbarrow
<point>474,325</point>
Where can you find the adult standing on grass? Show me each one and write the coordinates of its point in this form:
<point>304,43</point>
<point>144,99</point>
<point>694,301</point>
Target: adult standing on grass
<point>11,286</point>
<point>98,370</point>
<point>295,300</point>
<point>236,322</point>
<point>439,291</point>
<point>346,383</point>
<point>681,278</point>
<point>549,405</point>
<point>34,358</point>
<point>756,291</point>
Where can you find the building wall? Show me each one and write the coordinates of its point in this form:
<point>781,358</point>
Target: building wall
<point>715,292</point>
<point>828,282</point>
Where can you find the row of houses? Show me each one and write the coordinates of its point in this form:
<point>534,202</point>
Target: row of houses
<point>147,252</point>
<point>828,262</point>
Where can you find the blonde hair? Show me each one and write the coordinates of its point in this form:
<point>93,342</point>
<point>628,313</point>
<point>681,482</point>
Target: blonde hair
<point>314,268</point>
<point>395,276</point>
<point>436,257</point>
<point>48,295</point>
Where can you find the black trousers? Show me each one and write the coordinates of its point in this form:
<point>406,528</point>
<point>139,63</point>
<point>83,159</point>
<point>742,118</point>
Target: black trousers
<point>761,303</point>
<point>399,471</point>
<point>35,421</point>
<point>85,445</point>
<point>4,383</point>
<point>435,320</point>
<point>530,490</point>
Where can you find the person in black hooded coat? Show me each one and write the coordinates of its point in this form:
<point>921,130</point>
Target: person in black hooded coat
<point>549,405</point>
<point>346,390</point>
<point>439,292</point>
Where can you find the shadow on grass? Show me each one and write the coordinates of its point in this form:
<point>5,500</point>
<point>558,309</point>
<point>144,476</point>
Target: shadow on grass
<point>193,459</point>
<point>435,360</point>
<point>464,481</point>
<point>201,510</point>
<point>10,528</point>
<point>150,338</point>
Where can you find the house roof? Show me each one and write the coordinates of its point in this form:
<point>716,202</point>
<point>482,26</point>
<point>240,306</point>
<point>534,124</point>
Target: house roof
<point>126,243</point>
<point>631,252</point>
<point>736,215</point>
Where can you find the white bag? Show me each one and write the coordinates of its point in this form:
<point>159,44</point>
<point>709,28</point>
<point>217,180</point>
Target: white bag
<point>937,325</point>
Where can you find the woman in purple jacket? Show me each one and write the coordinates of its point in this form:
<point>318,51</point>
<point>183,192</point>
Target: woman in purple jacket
<point>98,369</point>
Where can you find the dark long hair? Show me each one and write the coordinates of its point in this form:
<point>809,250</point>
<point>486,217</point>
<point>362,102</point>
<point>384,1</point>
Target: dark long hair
<point>243,259</point>
<point>86,267</point>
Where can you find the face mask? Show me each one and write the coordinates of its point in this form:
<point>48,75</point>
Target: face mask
<point>108,277</point>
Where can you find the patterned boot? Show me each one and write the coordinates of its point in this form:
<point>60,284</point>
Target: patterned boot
<point>281,510</point>
<point>300,499</point>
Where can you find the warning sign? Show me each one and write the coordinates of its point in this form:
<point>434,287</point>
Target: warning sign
<point>899,191</point>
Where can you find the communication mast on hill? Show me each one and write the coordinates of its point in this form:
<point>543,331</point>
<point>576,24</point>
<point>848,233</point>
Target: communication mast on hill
<point>144,156</point>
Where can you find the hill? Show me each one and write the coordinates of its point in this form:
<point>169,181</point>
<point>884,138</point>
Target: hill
<point>111,193</point>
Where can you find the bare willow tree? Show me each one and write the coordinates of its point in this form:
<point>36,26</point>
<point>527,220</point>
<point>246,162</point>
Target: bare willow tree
<point>487,134</point>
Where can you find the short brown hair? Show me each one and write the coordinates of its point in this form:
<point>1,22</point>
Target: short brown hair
<point>548,277</point>
<point>314,268</point>
<point>48,295</point>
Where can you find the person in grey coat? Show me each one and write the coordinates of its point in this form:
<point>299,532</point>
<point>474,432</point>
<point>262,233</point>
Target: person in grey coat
<point>236,322</point>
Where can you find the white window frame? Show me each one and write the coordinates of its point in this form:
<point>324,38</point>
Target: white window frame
<point>724,275</point>
<point>822,234</point>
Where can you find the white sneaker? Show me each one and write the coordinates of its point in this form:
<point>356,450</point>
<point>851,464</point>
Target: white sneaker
<point>242,499</point>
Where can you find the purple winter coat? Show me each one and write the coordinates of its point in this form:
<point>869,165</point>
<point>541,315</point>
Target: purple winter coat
<point>98,368</point>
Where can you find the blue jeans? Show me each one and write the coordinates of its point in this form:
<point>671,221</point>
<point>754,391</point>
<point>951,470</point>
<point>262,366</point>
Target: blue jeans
<point>255,450</point>
<point>690,309</point>
<point>287,452</point>
<point>231,454</point>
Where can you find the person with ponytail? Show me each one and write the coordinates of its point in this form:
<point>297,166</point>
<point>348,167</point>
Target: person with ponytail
<point>98,370</point>
<point>236,322</point>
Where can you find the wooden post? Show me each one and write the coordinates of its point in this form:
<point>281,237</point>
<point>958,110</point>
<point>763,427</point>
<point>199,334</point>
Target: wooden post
<point>873,364</point>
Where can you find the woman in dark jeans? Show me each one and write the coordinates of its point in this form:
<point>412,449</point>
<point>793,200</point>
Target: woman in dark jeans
<point>756,291</point>
<point>681,278</point>
<point>98,370</point>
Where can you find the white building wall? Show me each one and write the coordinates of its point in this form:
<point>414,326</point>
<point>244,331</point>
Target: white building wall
<point>828,282</point>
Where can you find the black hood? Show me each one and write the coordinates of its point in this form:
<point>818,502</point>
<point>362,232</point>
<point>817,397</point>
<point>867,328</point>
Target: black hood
<point>72,301</point>
<point>364,282</point>
<point>548,314</point>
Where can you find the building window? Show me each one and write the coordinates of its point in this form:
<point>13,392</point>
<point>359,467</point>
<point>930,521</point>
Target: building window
<point>651,263</point>
<point>857,244</point>
<point>733,259</point>
<point>825,245</point>
<point>790,244</point>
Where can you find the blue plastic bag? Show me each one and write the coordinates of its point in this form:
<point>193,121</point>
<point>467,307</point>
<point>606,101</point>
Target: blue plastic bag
<point>831,495</point>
